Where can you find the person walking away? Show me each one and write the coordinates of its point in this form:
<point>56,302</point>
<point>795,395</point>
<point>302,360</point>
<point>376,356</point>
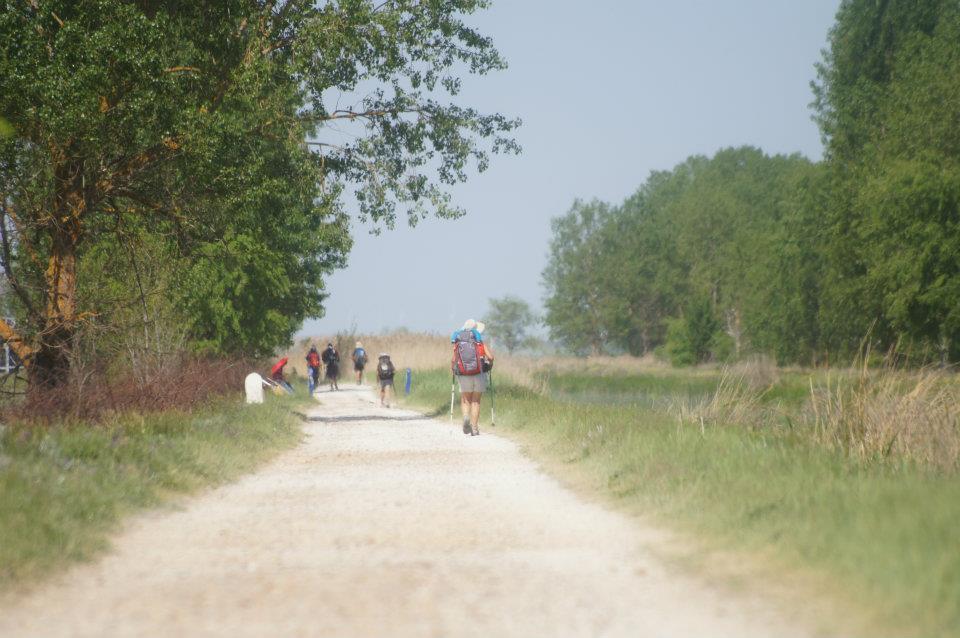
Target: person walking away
<point>331,358</point>
<point>359,357</point>
<point>469,355</point>
<point>385,373</point>
<point>313,368</point>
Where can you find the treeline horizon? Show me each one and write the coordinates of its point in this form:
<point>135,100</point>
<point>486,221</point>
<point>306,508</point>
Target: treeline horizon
<point>809,262</point>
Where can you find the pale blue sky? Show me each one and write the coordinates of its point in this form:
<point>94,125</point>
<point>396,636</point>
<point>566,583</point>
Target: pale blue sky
<point>608,91</point>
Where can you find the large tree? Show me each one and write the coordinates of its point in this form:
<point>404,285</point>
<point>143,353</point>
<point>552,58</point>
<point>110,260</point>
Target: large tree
<point>510,319</point>
<point>209,127</point>
<point>887,104</point>
<point>574,276</point>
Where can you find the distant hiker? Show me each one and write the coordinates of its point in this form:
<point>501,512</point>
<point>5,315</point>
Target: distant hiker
<point>385,372</point>
<point>276,373</point>
<point>471,358</point>
<point>359,357</point>
<point>313,368</point>
<point>331,358</point>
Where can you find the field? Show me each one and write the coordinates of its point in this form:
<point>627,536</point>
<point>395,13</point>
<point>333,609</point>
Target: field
<point>843,483</point>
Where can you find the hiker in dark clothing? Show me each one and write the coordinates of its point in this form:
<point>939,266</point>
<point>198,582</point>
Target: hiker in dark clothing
<point>385,373</point>
<point>359,357</point>
<point>331,358</point>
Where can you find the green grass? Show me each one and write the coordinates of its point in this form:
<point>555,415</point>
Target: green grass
<point>882,538</point>
<point>64,489</point>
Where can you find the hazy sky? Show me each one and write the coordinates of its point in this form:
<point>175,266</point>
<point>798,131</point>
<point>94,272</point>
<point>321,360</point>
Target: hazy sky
<point>608,91</point>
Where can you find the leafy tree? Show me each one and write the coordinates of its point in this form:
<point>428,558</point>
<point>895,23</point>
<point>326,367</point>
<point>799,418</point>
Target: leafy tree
<point>510,318</point>
<point>194,123</point>
<point>707,229</point>
<point>573,278</point>
<point>887,107</point>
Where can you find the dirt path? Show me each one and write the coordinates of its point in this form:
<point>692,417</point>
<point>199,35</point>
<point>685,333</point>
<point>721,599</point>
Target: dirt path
<point>386,524</point>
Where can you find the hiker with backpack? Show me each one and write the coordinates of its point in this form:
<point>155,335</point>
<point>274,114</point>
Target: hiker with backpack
<point>471,359</point>
<point>385,372</point>
<point>359,357</point>
<point>331,358</point>
<point>313,369</point>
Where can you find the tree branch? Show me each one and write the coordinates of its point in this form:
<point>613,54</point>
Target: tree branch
<point>8,334</point>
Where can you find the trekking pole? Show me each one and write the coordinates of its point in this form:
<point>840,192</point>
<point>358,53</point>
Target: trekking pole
<point>453,381</point>
<point>493,403</point>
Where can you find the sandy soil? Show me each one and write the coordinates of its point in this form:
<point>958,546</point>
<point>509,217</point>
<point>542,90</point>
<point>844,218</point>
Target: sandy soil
<point>383,523</point>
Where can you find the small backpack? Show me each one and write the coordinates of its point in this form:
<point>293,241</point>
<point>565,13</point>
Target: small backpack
<point>385,368</point>
<point>486,365</point>
<point>360,356</point>
<point>313,359</point>
<point>467,354</point>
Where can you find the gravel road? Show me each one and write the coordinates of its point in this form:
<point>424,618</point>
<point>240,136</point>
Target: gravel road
<point>384,523</point>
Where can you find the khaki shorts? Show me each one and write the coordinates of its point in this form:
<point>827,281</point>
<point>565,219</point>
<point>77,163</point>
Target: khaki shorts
<point>473,383</point>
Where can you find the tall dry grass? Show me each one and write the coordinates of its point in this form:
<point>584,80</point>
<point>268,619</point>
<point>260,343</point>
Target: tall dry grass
<point>738,400</point>
<point>867,413</point>
<point>414,350</point>
<point>890,413</point>
<point>425,351</point>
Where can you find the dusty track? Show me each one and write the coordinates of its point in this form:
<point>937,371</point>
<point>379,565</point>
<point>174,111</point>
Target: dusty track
<point>382,523</point>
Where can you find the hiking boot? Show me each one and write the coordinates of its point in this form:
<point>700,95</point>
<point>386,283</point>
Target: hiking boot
<point>466,426</point>
<point>475,433</point>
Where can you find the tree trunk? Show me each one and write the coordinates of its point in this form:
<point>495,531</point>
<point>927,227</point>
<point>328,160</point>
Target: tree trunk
<point>49,366</point>
<point>735,330</point>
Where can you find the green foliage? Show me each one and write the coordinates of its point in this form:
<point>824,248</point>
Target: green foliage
<point>575,276</point>
<point>712,228</point>
<point>508,319</point>
<point>211,129</point>
<point>808,263</point>
<point>696,336</point>
<point>886,102</point>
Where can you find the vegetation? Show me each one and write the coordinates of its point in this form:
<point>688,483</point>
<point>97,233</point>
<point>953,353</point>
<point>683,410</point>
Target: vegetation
<point>742,460</point>
<point>64,488</point>
<point>192,158</point>
<point>747,253</point>
<point>509,320</point>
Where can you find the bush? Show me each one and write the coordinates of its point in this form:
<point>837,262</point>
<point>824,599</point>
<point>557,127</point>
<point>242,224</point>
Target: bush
<point>697,336</point>
<point>100,393</point>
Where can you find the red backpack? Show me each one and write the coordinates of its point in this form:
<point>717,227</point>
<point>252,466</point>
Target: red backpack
<point>313,359</point>
<point>467,354</point>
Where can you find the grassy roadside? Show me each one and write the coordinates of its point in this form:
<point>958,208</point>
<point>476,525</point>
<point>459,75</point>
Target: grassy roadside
<point>880,536</point>
<point>64,489</point>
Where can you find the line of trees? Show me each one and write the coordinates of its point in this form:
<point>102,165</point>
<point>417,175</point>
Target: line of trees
<point>746,252</point>
<point>176,170</point>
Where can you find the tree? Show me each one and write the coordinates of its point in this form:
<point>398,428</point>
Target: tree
<point>887,108</point>
<point>510,318</point>
<point>194,122</point>
<point>573,278</point>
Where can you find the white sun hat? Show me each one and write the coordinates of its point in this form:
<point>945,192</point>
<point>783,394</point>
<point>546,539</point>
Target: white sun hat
<point>469,324</point>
